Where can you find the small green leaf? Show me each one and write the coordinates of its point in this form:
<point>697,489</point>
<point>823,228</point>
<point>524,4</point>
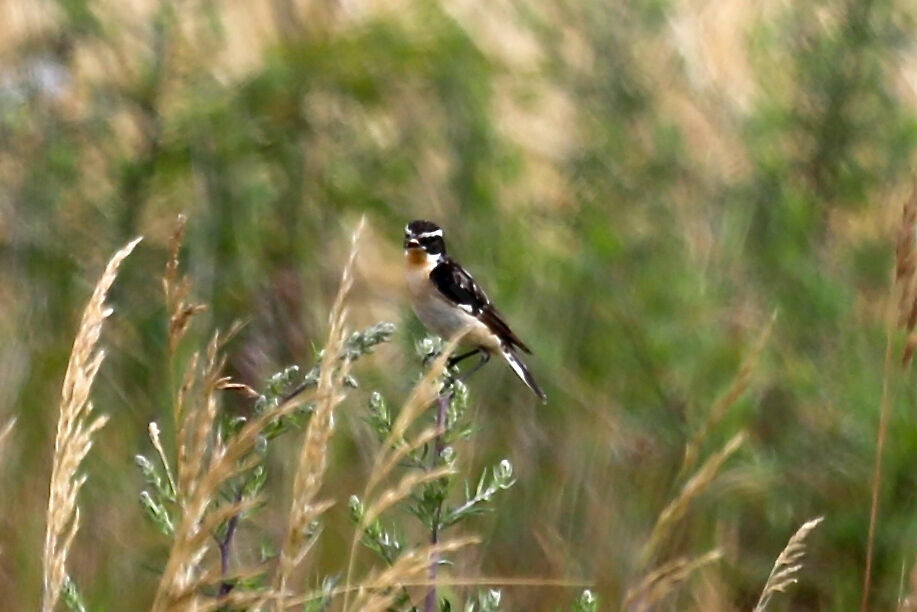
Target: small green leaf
<point>72,597</point>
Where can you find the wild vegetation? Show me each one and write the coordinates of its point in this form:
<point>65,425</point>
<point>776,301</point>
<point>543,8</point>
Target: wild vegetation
<point>700,216</point>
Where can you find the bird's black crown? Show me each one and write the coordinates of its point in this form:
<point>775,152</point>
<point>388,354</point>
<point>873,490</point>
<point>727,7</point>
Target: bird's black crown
<point>419,227</point>
<point>426,235</point>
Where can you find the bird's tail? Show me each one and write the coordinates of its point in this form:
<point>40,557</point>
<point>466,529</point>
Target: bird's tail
<point>522,371</point>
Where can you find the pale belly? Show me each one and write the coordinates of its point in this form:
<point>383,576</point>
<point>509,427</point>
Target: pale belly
<point>441,317</point>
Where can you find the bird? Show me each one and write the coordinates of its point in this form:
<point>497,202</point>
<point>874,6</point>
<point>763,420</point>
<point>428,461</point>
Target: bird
<point>447,299</point>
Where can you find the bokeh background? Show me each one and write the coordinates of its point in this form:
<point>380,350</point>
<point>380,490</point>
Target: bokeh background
<point>639,185</point>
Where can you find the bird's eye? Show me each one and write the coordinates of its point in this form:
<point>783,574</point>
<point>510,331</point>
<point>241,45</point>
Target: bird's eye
<point>432,244</point>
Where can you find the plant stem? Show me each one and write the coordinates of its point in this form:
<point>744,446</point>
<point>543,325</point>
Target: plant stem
<point>442,403</point>
<point>225,546</point>
<point>884,409</point>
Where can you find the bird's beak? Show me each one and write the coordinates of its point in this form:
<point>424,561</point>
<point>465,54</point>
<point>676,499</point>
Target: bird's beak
<point>411,243</point>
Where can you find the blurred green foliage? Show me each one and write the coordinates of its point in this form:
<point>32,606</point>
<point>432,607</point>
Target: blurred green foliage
<point>638,267</point>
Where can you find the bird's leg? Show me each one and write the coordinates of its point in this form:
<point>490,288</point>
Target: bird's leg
<point>485,357</point>
<point>456,359</point>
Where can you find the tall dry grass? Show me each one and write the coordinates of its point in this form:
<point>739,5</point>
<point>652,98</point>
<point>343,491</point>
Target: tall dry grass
<point>398,445</point>
<point>902,314</point>
<point>310,470</point>
<point>76,426</point>
<point>677,508</point>
<point>720,408</point>
<point>661,578</point>
<point>205,461</point>
<point>787,565</point>
<point>659,583</point>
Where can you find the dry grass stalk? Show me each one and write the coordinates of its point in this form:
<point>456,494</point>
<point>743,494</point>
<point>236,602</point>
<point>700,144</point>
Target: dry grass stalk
<point>177,289</point>
<point>210,465</point>
<point>401,491</point>
<point>736,389</point>
<point>176,292</point>
<point>906,275</point>
<point>205,461</point>
<point>379,592</point>
<point>153,429</point>
<point>905,305</point>
<point>313,458</point>
<point>694,487</point>
<point>662,581</point>
<point>422,395</point>
<point>409,570</point>
<point>197,479</point>
<point>787,565</point>
<point>398,453</point>
<point>75,428</point>
<point>4,432</point>
<point>253,600</point>
<point>396,448</point>
<point>183,423</point>
<point>423,581</point>
<point>237,599</point>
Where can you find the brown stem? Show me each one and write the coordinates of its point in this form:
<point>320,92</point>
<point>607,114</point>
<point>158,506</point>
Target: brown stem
<point>225,546</point>
<point>442,404</point>
<point>884,409</point>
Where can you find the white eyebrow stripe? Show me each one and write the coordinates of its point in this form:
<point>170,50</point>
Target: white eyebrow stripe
<point>437,233</point>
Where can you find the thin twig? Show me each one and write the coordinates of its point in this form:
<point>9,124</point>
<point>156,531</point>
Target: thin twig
<point>225,546</point>
<point>902,312</point>
<point>884,409</point>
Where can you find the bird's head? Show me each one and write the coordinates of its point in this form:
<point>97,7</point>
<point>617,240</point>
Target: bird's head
<point>424,237</point>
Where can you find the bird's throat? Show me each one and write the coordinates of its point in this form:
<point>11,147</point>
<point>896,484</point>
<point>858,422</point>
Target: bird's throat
<point>416,257</point>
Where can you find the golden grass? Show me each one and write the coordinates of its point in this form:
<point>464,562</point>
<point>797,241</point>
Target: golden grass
<point>313,457</point>
<point>906,273</point>
<point>662,581</point>
<point>75,429</point>
<point>377,593</point>
<point>183,576</point>
<point>177,289</point>
<point>657,583</point>
<point>395,448</point>
<point>721,407</point>
<point>677,508</point>
<point>382,581</point>
<point>902,307</point>
<point>787,564</point>
<point>205,460</point>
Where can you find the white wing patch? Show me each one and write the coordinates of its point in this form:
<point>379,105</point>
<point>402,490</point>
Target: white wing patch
<point>519,368</point>
<point>515,364</point>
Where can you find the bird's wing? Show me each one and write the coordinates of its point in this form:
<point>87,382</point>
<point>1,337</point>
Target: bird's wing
<point>456,285</point>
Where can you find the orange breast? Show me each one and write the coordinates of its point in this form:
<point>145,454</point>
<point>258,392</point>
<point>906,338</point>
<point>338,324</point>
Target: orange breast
<point>415,257</point>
